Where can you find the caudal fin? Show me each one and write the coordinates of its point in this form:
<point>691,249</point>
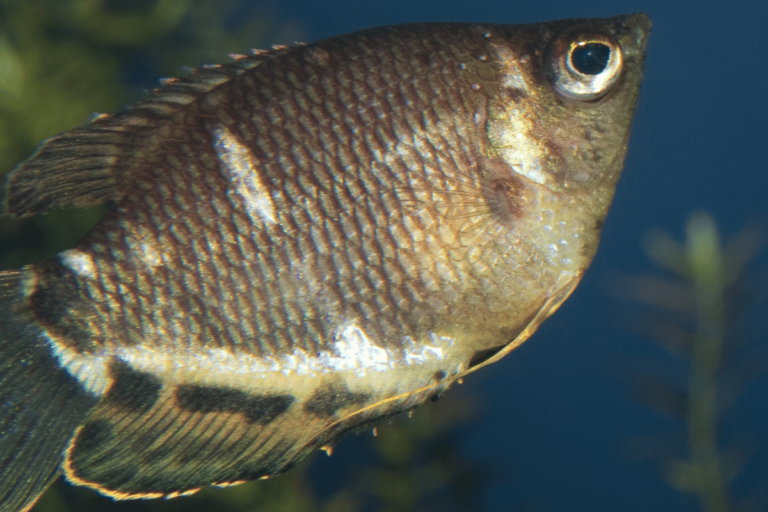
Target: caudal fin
<point>41,405</point>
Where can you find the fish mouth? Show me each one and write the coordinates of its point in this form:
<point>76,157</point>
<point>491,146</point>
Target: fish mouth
<point>639,25</point>
<point>642,22</point>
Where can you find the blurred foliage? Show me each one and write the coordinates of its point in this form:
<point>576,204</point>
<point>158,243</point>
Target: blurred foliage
<point>61,60</point>
<point>697,310</point>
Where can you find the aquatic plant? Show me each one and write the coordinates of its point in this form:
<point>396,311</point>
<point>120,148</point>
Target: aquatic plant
<point>697,313</point>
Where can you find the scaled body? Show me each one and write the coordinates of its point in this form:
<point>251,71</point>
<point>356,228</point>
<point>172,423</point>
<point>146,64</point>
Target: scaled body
<point>305,241</point>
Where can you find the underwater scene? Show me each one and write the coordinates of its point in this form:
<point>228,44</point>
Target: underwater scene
<point>645,390</point>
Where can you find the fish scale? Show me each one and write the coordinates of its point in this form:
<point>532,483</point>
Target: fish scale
<point>304,242</point>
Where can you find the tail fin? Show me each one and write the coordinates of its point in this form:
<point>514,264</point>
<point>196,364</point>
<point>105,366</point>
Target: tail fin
<point>41,405</point>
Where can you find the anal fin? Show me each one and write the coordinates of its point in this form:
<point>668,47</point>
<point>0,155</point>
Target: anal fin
<point>152,437</point>
<point>176,442</point>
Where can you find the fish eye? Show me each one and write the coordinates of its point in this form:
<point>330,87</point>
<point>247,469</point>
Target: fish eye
<point>585,67</point>
<point>590,58</point>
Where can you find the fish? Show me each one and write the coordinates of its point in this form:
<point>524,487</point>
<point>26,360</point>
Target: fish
<point>302,243</point>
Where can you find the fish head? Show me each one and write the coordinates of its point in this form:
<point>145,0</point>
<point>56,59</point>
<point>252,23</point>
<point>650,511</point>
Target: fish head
<point>565,101</point>
<point>559,105</point>
<point>559,120</point>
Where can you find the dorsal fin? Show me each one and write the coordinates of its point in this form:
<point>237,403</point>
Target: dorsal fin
<point>91,164</point>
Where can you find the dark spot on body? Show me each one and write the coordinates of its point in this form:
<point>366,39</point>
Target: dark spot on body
<point>132,389</point>
<point>44,307</point>
<point>325,402</point>
<point>483,355</point>
<point>57,307</point>
<point>599,225</point>
<point>439,375</point>
<point>504,197</point>
<point>52,314</point>
<point>261,409</point>
<point>93,435</point>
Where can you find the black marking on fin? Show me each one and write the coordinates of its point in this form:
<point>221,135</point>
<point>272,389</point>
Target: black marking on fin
<point>41,404</point>
<point>167,451</point>
<point>256,409</point>
<point>327,401</point>
<point>132,389</point>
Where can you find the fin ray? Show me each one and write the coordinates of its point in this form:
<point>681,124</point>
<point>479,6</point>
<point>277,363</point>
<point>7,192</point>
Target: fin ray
<point>92,163</point>
<point>169,450</point>
<point>41,405</point>
<point>180,444</point>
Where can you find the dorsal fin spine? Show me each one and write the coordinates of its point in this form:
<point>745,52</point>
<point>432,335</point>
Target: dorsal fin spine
<point>83,167</point>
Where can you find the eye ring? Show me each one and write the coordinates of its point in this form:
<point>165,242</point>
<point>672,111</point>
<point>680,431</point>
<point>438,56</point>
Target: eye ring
<point>585,66</point>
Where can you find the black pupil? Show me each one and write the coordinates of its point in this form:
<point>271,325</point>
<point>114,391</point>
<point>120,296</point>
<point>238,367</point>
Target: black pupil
<point>590,58</point>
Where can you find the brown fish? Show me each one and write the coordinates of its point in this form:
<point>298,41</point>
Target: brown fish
<point>303,242</point>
